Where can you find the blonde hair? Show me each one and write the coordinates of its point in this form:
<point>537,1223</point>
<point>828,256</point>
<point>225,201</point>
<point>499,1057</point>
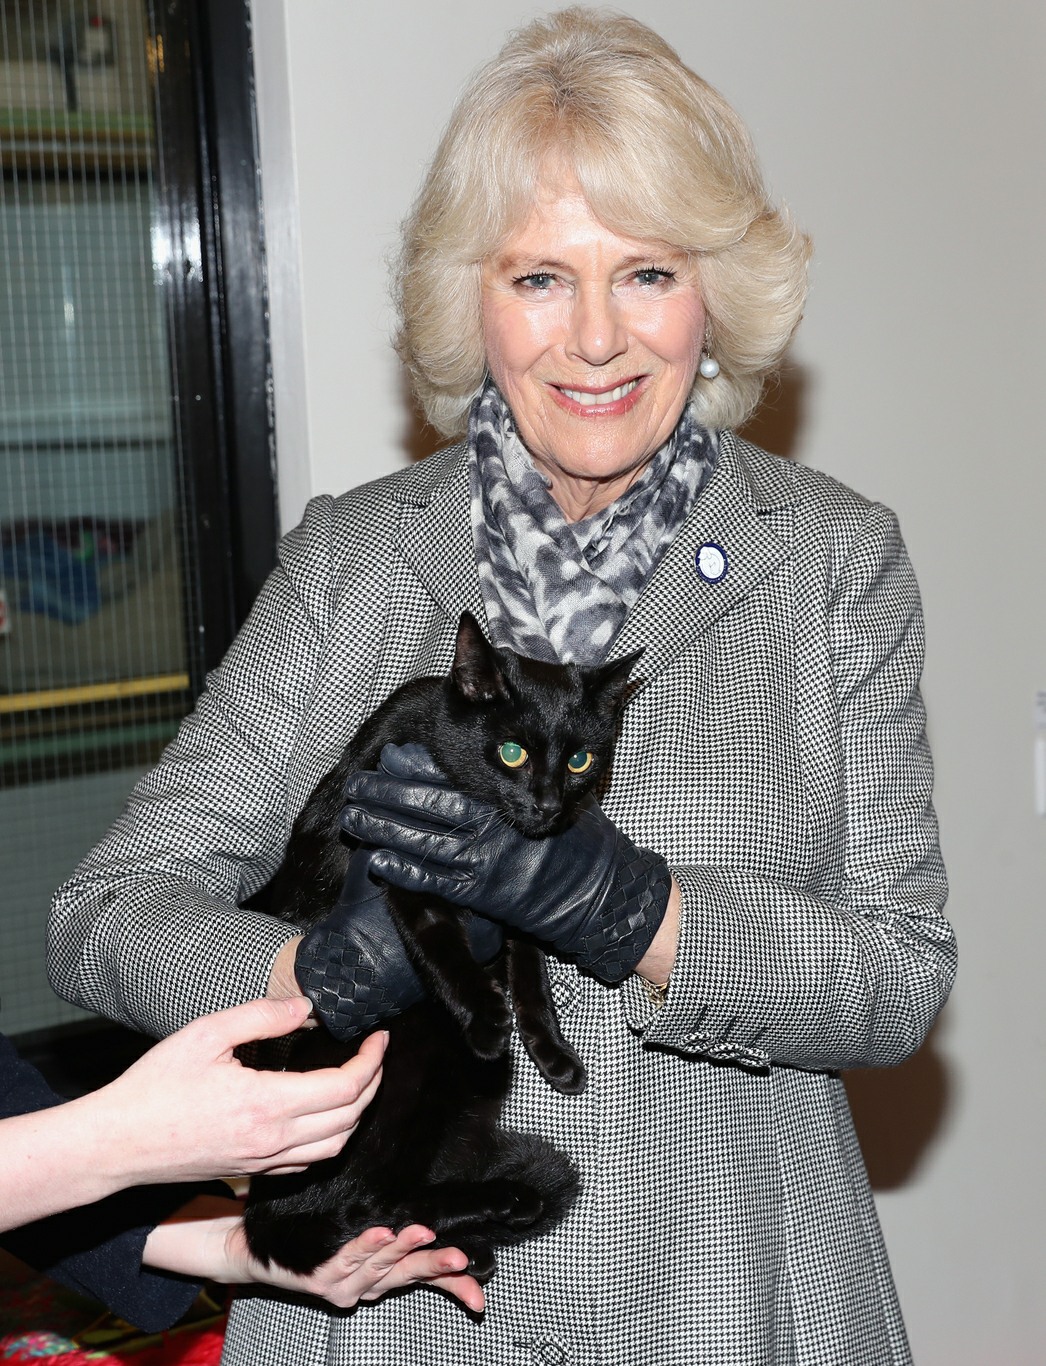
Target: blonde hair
<point>658,155</point>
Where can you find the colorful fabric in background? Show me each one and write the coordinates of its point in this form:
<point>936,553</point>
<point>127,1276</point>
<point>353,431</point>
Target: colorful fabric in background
<point>40,1321</point>
<point>195,1349</point>
<point>66,570</point>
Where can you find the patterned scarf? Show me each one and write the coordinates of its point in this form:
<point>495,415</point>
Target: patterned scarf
<point>559,590</point>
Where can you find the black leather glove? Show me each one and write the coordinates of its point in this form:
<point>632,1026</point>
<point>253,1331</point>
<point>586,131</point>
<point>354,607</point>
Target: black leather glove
<point>353,966</point>
<point>589,892</point>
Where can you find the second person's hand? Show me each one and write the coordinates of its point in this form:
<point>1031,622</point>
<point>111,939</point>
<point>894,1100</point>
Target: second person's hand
<point>206,1240</point>
<point>189,1110</point>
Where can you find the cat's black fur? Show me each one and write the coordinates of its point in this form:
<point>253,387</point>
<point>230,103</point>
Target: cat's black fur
<point>429,1149</point>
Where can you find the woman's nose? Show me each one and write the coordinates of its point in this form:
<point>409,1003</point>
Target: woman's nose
<point>596,331</point>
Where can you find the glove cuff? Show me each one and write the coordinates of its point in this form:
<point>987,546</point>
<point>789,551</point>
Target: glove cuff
<point>341,983</point>
<point>630,915</point>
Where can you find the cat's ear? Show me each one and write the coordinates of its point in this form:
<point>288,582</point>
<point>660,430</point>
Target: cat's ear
<point>612,684</point>
<point>476,672</point>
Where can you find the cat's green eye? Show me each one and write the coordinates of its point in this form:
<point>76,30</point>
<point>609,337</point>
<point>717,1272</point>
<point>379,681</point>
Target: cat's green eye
<point>512,755</point>
<point>581,762</point>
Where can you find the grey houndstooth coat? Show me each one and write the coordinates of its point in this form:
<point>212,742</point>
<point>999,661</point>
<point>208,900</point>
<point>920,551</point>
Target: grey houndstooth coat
<point>777,758</point>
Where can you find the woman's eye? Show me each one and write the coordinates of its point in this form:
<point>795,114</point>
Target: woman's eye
<point>512,755</point>
<point>653,275</point>
<point>539,280</point>
<point>580,762</point>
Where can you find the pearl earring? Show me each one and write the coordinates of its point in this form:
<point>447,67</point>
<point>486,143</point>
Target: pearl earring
<point>709,366</point>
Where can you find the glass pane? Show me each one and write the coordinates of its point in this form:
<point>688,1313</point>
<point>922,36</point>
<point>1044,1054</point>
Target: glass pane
<point>93,663</point>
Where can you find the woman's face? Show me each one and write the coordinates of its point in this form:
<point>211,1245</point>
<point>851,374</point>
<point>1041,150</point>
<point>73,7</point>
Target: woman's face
<point>594,340</point>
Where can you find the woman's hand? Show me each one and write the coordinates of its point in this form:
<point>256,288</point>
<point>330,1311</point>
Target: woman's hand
<point>214,1247</point>
<point>589,892</point>
<point>353,965</point>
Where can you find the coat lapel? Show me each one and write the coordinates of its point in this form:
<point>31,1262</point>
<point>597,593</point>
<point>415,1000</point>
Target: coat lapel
<point>435,539</point>
<point>432,552</point>
<point>678,605</point>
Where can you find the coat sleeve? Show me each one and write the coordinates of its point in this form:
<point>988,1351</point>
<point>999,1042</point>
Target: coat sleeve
<point>768,974</point>
<point>96,1250</point>
<point>149,930</point>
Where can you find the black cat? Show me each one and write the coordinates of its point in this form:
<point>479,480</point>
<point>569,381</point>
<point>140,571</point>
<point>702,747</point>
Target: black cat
<point>533,739</point>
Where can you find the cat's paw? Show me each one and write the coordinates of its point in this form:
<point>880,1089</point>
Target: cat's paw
<point>516,1205</point>
<point>482,1261</point>
<point>561,1068</point>
<point>489,1032</point>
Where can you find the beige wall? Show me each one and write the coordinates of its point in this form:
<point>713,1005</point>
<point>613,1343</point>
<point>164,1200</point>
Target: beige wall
<point>908,137</point>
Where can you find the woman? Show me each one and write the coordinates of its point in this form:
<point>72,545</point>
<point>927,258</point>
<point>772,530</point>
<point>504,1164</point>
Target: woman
<point>594,287</point>
<point>74,1194</point>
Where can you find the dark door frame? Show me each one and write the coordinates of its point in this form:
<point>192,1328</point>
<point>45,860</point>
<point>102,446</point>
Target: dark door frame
<point>210,187</point>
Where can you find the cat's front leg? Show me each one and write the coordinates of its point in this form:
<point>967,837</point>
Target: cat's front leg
<point>307,883</point>
<point>436,939</point>
<point>536,1018</point>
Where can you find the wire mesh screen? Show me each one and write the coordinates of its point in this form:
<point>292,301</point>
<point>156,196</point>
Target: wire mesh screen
<point>93,668</point>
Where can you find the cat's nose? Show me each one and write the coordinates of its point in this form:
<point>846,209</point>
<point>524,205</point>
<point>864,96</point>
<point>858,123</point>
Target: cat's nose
<point>545,804</point>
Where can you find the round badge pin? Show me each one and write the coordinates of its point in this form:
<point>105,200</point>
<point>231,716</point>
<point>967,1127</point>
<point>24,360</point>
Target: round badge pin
<point>711,562</point>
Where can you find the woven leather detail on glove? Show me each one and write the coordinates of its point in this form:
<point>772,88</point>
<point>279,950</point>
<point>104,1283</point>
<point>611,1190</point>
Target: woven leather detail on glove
<point>342,984</point>
<point>629,917</point>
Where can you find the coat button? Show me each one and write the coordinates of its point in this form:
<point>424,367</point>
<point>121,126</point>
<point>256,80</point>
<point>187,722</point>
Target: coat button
<point>551,1354</point>
<point>711,562</point>
<point>564,991</point>
<point>544,1351</point>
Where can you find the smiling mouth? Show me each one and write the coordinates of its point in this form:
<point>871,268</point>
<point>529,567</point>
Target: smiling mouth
<point>600,398</point>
